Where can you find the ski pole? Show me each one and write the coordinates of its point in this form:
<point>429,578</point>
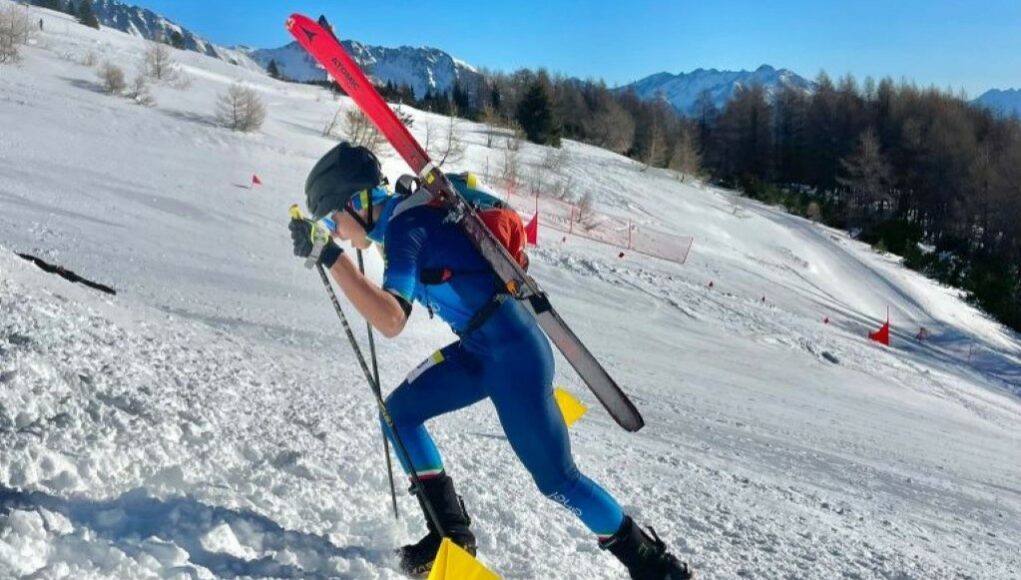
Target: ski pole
<point>377,393</point>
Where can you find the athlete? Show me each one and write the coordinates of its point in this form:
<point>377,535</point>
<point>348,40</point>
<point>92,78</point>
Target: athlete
<point>502,354</point>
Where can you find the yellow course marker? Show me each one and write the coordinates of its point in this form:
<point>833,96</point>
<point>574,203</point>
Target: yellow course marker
<point>453,563</point>
<point>571,408</point>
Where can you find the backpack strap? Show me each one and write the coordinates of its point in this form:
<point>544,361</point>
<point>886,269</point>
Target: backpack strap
<point>422,197</point>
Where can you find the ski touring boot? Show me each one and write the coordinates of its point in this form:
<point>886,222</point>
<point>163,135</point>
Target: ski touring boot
<point>416,560</point>
<point>645,557</point>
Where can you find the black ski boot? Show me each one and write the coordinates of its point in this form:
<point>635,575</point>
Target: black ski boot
<point>417,559</point>
<point>645,558</point>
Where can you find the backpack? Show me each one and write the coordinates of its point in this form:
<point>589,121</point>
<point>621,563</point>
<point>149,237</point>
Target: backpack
<point>503,221</point>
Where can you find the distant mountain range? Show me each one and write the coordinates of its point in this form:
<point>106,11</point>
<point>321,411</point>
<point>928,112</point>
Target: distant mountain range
<point>423,69</point>
<point>682,90</point>
<point>1006,103</point>
<point>426,69</point>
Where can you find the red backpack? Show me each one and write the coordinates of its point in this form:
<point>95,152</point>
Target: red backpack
<point>502,220</point>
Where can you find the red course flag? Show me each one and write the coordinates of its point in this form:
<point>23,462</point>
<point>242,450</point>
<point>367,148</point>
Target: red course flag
<point>882,335</point>
<point>532,230</point>
<point>256,180</point>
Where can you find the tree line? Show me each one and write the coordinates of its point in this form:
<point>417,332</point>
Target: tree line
<point>546,108</point>
<point>920,172</point>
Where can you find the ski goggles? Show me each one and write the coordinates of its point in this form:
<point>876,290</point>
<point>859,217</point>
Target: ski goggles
<point>367,198</point>
<point>358,202</point>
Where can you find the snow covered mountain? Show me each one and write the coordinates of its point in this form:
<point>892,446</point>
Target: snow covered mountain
<point>682,90</point>
<point>1006,102</point>
<point>147,24</point>
<point>423,69</point>
<point>210,421</point>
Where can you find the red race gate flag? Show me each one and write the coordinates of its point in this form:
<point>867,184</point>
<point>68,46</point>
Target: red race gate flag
<point>882,335</point>
<point>532,230</point>
<point>256,180</point>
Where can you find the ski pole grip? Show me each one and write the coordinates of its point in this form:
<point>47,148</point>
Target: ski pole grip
<point>295,213</point>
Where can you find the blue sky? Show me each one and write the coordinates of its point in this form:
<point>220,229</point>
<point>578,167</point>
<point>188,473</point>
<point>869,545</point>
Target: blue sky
<point>972,45</point>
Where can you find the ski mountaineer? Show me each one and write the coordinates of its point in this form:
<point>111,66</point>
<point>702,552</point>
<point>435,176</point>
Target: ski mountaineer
<point>502,354</point>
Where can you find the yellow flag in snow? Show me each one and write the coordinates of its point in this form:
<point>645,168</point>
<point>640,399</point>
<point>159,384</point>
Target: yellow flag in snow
<point>453,563</point>
<point>570,407</point>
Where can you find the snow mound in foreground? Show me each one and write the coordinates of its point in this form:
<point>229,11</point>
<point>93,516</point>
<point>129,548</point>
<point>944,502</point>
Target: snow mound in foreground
<point>95,399</point>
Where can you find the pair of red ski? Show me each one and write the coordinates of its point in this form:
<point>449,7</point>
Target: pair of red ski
<point>319,40</point>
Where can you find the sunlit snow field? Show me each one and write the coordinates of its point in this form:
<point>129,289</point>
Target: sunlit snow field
<point>211,421</point>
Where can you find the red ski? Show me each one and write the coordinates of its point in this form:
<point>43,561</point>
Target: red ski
<point>319,40</point>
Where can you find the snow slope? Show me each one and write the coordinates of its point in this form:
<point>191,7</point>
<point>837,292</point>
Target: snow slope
<point>209,421</point>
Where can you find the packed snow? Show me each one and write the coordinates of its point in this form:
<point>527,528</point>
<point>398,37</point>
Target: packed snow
<point>211,421</point>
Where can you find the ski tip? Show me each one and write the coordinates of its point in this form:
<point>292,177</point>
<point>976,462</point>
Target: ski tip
<point>293,19</point>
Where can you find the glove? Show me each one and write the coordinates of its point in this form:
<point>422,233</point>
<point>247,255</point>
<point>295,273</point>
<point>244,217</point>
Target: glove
<point>313,242</point>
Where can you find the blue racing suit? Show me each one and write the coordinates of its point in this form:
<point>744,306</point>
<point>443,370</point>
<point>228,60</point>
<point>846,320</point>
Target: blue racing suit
<point>507,359</point>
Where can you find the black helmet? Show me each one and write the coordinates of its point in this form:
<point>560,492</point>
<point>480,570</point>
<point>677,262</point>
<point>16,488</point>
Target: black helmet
<point>344,171</point>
